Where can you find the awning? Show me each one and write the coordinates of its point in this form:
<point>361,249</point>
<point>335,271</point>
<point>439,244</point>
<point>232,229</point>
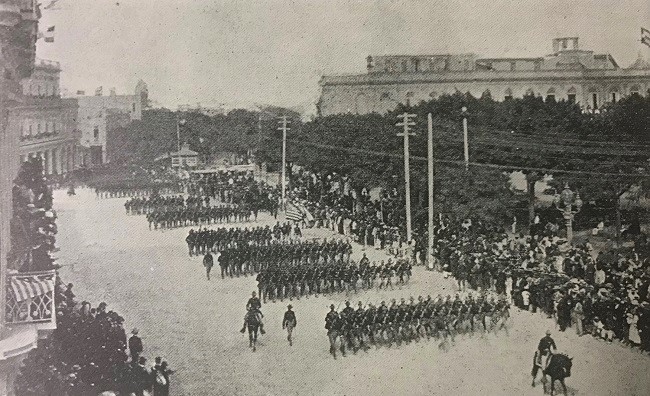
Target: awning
<point>26,286</point>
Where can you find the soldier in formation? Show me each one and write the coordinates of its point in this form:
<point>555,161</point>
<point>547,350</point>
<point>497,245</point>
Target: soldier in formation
<point>174,217</point>
<point>145,205</point>
<point>203,240</point>
<point>297,278</point>
<point>413,320</point>
<point>246,258</point>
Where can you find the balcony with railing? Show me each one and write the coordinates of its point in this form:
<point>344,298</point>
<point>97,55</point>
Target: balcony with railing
<point>30,298</point>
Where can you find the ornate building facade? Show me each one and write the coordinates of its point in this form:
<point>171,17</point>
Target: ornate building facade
<point>19,328</point>
<point>568,73</point>
<point>45,122</point>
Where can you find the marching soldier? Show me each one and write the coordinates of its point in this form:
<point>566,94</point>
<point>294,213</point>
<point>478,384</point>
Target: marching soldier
<point>289,322</point>
<point>332,324</point>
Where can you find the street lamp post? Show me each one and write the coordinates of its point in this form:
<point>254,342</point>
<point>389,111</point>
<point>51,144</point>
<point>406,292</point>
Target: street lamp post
<point>569,204</point>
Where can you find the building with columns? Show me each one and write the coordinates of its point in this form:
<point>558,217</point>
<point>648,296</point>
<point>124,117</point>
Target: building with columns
<point>568,73</point>
<point>20,326</point>
<point>93,119</point>
<point>46,123</point>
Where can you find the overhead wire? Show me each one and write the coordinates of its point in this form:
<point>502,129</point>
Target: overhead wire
<point>460,163</point>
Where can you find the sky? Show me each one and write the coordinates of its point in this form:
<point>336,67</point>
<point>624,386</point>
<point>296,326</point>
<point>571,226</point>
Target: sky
<point>273,52</point>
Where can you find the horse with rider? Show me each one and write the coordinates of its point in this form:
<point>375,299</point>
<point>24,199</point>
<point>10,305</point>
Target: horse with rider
<point>555,365</point>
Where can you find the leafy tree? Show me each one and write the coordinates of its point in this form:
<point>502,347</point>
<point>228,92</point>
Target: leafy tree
<point>33,224</point>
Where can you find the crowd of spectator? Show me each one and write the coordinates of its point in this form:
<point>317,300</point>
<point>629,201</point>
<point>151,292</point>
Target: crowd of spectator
<point>605,294</point>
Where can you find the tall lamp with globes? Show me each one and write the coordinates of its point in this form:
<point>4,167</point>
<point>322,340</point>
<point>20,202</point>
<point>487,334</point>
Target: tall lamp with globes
<point>569,204</point>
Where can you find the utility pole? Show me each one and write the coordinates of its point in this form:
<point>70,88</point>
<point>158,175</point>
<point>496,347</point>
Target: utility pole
<point>465,138</point>
<point>259,130</point>
<point>284,128</point>
<point>430,158</point>
<point>178,133</point>
<point>407,123</point>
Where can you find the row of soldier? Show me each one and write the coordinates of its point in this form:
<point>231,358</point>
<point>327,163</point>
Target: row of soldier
<point>412,321</point>
<point>183,217</point>
<point>294,281</point>
<point>144,205</point>
<point>203,240</point>
<point>247,259</point>
<point>130,188</point>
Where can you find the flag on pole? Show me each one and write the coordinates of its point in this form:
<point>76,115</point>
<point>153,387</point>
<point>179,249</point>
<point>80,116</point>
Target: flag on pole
<point>293,213</point>
<point>305,212</point>
<point>645,36</point>
<point>49,35</point>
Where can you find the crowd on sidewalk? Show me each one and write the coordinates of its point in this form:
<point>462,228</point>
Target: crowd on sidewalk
<point>604,294</point>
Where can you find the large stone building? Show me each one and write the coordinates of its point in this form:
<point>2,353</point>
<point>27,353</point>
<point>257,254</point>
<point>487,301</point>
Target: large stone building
<point>93,114</point>
<point>44,122</point>
<point>20,324</point>
<point>568,73</point>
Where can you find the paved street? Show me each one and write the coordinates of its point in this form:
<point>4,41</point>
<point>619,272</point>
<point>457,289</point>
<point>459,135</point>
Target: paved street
<point>148,277</point>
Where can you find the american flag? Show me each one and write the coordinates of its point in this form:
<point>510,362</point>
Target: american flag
<point>293,213</point>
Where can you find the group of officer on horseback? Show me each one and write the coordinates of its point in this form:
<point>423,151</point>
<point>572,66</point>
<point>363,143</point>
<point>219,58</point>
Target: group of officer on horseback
<point>412,321</point>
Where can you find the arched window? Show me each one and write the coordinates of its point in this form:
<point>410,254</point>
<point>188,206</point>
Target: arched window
<point>507,94</point>
<point>550,95</point>
<point>571,95</point>
<point>595,99</point>
<point>614,94</point>
<point>530,92</point>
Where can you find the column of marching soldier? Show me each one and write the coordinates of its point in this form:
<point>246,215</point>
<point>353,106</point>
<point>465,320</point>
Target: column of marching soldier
<point>177,211</point>
<point>412,321</point>
<point>291,268</point>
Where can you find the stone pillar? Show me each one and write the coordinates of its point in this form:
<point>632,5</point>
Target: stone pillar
<point>47,165</point>
<point>64,159</point>
<point>58,168</point>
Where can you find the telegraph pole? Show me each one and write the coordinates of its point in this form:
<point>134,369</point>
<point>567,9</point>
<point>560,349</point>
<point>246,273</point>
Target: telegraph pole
<point>259,130</point>
<point>407,123</point>
<point>284,128</point>
<point>178,133</point>
<point>430,158</point>
<point>465,137</point>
